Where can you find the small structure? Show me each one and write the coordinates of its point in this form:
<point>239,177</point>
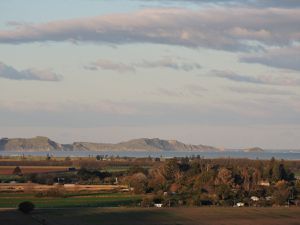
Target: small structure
<point>240,204</point>
<point>264,183</point>
<point>254,198</point>
<point>116,181</point>
<point>158,205</point>
<point>60,180</point>
<point>269,198</point>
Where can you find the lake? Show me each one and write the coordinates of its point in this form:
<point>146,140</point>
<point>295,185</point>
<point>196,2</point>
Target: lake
<point>287,155</point>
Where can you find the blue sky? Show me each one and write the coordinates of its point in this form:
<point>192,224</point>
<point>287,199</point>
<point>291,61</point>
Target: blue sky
<point>223,73</point>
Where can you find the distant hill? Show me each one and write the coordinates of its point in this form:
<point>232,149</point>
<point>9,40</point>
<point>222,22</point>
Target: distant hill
<point>29,144</point>
<point>142,144</point>
<point>254,149</point>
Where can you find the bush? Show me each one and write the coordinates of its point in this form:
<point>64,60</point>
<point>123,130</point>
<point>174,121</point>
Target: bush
<point>147,202</point>
<point>17,171</point>
<point>53,192</point>
<point>26,207</point>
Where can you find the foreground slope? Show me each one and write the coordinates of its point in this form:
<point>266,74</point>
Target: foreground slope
<point>151,216</point>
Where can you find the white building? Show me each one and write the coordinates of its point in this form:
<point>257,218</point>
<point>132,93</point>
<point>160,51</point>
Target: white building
<point>240,204</point>
<point>254,198</point>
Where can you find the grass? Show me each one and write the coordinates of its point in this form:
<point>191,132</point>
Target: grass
<point>297,173</point>
<point>78,200</point>
<point>112,169</point>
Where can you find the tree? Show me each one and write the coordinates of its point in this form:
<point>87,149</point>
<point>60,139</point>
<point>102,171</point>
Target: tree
<point>139,182</point>
<point>26,207</point>
<point>282,172</point>
<point>171,169</point>
<point>281,193</point>
<point>17,171</point>
<point>99,157</point>
<point>68,159</point>
<point>224,177</point>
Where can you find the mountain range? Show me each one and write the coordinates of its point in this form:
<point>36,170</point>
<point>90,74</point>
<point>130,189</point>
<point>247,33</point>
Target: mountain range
<point>142,144</point>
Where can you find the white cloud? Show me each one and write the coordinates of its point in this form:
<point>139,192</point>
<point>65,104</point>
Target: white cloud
<point>286,58</point>
<point>283,80</point>
<point>166,62</point>
<point>105,64</point>
<point>11,73</point>
<point>260,91</point>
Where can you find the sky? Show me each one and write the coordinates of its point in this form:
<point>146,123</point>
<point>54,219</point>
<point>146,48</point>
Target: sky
<point>224,73</point>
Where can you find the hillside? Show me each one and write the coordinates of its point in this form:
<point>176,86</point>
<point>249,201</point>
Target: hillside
<point>142,144</point>
<point>29,144</point>
<point>156,144</point>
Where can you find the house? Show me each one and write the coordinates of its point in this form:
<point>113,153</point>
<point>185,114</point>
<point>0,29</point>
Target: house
<point>116,181</point>
<point>254,198</point>
<point>264,183</point>
<point>158,205</point>
<point>240,204</point>
<point>269,198</point>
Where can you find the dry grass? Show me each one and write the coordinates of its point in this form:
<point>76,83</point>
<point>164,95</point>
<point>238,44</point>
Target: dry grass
<point>32,187</point>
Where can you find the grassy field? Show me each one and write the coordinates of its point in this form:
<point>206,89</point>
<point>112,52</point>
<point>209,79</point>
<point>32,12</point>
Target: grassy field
<point>151,216</point>
<point>8,170</point>
<point>71,200</point>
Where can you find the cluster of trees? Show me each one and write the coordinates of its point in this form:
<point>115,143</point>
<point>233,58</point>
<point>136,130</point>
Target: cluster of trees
<point>188,181</point>
<point>216,182</point>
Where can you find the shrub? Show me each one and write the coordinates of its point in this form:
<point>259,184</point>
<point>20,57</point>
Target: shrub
<point>147,202</point>
<point>26,207</point>
<point>17,171</point>
<point>53,192</point>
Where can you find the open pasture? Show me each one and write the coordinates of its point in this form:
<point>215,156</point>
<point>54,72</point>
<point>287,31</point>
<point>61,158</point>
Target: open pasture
<point>71,200</point>
<point>8,170</point>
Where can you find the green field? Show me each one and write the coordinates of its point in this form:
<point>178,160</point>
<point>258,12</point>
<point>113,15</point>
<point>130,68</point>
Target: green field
<point>74,200</point>
<point>153,216</point>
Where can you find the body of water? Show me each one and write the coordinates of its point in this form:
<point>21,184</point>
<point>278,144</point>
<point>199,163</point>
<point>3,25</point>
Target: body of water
<point>287,155</point>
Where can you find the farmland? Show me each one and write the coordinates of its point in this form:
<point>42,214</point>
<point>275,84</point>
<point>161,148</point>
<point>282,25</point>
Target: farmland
<point>11,200</point>
<point>31,187</point>
<point>8,170</point>
<point>167,216</point>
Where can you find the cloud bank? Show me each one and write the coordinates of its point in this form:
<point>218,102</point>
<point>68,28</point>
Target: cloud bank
<point>11,73</point>
<point>257,3</point>
<point>223,28</point>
